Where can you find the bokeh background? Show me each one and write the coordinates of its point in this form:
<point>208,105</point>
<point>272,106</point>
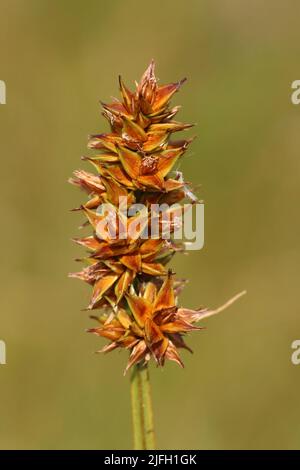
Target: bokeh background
<point>239,390</point>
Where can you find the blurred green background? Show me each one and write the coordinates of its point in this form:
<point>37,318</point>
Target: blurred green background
<point>239,390</point>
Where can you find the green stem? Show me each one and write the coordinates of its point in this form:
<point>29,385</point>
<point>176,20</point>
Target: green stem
<point>148,409</point>
<point>137,415</point>
<point>142,414</point>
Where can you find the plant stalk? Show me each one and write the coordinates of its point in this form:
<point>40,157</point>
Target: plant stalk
<point>142,413</point>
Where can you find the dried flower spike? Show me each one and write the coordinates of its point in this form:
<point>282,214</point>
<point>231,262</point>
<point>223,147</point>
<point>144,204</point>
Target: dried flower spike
<point>134,164</point>
<point>131,286</point>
